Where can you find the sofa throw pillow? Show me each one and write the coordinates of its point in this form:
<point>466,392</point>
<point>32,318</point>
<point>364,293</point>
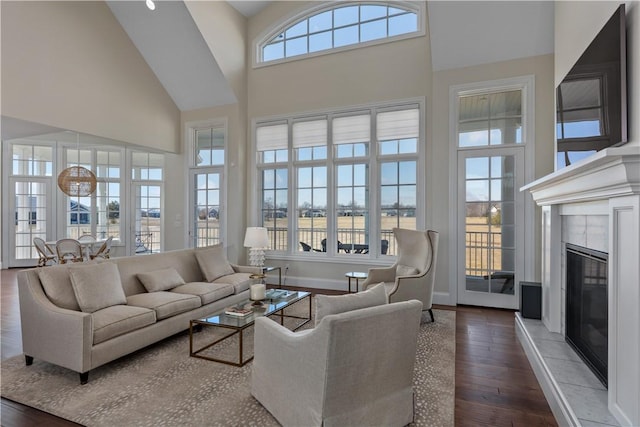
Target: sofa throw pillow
<point>335,304</point>
<point>56,283</point>
<point>161,280</point>
<point>213,263</point>
<point>405,270</point>
<point>97,286</point>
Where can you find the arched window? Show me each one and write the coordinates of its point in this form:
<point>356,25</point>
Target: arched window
<point>340,26</point>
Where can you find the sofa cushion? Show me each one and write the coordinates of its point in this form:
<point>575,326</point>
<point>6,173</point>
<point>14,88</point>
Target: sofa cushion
<point>213,262</point>
<point>240,281</point>
<point>119,319</point>
<point>405,270</point>
<point>160,280</point>
<point>97,286</point>
<point>165,304</point>
<point>334,304</point>
<point>208,292</point>
<point>56,283</point>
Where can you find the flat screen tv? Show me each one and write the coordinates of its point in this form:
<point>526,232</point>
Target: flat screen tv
<point>591,101</point>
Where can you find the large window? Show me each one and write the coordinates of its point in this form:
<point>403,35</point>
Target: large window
<point>208,142</point>
<point>351,175</point>
<point>337,27</point>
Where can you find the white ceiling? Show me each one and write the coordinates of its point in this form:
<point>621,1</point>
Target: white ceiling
<point>174,48</point>
<point>462,34</point>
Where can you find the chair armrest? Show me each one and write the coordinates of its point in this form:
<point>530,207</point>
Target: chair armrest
<point>246,269</point>
<point>292,361</point>
<point>377,275</point>
<point>56,335</point>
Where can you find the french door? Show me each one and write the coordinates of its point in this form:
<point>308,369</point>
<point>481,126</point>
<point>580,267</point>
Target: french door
<point>206,216</point>
<point>490,243</point>
<point>32,217</point>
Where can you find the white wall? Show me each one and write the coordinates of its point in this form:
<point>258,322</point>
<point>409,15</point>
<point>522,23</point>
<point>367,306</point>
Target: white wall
<point>71,65</point>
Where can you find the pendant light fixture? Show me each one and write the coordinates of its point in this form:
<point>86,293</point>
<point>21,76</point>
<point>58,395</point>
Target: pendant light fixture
<point>77,181</point>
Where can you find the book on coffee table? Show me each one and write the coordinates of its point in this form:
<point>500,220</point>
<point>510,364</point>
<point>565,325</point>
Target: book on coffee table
<point>238,311</point>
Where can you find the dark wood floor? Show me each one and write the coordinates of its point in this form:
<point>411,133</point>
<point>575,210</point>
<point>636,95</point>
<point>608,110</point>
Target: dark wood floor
<point>495,385</point>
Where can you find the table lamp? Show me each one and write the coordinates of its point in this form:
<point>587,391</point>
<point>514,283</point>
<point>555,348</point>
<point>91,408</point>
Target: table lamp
<point>257,240</point>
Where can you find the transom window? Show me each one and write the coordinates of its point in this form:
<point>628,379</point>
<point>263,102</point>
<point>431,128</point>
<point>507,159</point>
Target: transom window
<point>334,27</point>
<point>335,185</point>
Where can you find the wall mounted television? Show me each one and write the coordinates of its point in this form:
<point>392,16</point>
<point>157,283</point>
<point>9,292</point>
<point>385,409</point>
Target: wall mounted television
<point>591,101</point>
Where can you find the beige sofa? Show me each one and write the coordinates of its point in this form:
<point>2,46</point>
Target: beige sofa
<point>82,316</point>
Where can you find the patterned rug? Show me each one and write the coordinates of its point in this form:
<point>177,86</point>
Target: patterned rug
<point>162,386</point>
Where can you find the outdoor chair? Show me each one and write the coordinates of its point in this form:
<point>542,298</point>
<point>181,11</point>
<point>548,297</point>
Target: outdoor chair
<point>45,253</point>
<point>413,274</point>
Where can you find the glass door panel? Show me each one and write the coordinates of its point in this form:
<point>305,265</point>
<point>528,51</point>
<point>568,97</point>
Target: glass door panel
<point>206,208</point>
<point>148,221</point>
<point>491,209</point>
<point>32,217</point>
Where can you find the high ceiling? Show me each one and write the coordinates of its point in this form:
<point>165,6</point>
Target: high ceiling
<point>462,34</point>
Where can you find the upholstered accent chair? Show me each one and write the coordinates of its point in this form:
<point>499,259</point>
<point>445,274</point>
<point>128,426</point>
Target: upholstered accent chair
<point>413,274</point>
<point>355,368</point>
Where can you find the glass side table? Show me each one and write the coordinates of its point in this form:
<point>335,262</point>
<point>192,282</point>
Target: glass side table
<point>357,275</point>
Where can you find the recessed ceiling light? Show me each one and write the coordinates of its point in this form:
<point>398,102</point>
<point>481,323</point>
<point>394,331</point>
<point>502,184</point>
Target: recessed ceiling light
<point>151,5</point>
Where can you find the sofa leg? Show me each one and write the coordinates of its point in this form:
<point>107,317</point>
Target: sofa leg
<point>431,313</point>
<point>84,378</point>
<point>28,360</point>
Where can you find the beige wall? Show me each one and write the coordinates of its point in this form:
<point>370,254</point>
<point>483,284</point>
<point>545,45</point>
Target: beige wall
<point>440,163</point>
<point>390,71</point>
<point>71,65</point>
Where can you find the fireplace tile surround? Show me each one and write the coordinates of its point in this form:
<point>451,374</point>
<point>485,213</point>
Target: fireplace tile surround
<point>595,204</point>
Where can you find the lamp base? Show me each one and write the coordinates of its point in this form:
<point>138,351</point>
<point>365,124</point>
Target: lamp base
<point>256,257</point>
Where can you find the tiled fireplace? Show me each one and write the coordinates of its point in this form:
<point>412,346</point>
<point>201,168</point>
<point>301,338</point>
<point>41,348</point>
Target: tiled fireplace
<point>593,204</point>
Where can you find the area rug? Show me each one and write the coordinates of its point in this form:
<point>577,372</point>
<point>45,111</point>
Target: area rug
<point>162,386</point>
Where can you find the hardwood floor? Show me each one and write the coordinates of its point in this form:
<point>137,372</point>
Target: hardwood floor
<point>495,385</point>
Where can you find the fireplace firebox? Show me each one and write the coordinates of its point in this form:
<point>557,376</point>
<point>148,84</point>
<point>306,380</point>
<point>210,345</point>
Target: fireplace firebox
<point>587,307</point>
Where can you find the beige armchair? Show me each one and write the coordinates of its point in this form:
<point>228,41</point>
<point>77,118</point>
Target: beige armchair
<point>413,274</point>
<point>353,369</point>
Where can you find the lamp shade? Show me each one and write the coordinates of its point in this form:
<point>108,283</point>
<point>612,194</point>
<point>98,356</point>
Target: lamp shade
<point>256,237</point>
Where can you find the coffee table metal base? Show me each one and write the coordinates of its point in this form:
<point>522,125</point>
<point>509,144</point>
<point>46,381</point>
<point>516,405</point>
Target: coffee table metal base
<point>195,325</point>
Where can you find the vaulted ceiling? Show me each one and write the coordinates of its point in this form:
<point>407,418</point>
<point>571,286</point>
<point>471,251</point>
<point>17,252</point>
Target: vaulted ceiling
<point>462,34</point>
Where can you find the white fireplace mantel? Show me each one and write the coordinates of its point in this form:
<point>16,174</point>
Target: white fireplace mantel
<point>606,188</point>
<point>613,172</point>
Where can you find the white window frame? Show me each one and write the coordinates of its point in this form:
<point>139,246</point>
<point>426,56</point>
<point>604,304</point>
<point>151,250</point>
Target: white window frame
<point>63,149</point>
<point>527,85</point>
<point>418,7</point>
<point>193,168</point>
<point>373,159</point>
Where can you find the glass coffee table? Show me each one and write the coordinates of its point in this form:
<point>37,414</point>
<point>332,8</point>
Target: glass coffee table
<point>274,306</point>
